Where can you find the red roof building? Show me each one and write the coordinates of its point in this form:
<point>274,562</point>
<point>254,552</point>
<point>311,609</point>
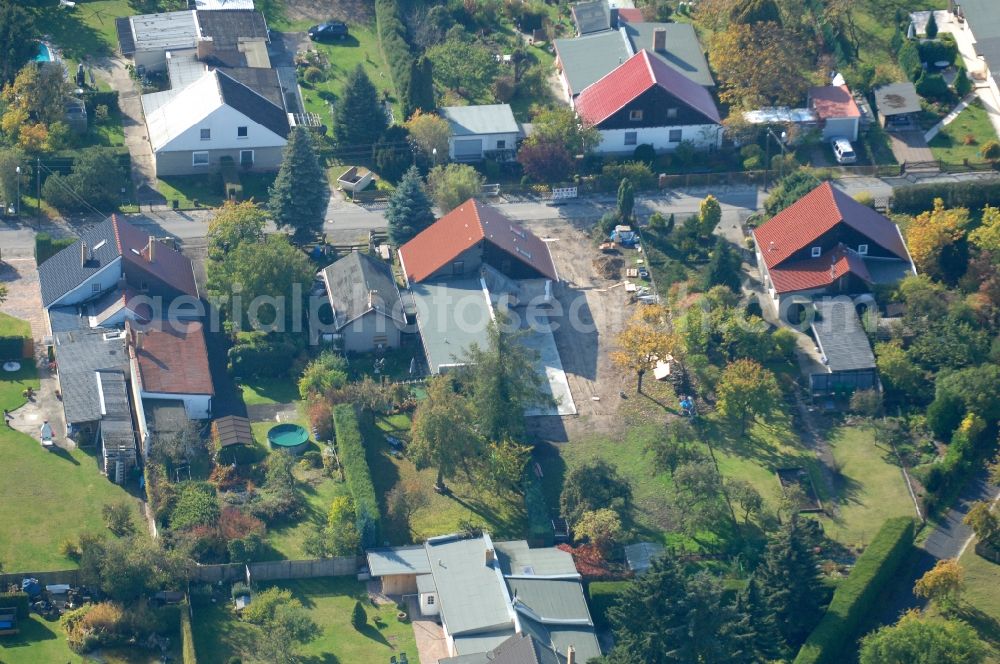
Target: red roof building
<point>828,242</point>
<point>170,360</point>
<point>630,15</point>
<point>459,243</point>
<point>646,101</point>
<point>836,110</point>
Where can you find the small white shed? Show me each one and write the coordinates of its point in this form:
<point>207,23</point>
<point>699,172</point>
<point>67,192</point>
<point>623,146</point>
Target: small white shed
<point>477,130</point>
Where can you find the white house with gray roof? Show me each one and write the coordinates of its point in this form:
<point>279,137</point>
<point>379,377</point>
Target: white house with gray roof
<point>479,131</point>
<point>486,592</point>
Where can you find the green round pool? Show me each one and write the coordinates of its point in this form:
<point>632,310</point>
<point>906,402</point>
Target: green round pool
<point>289,437</point>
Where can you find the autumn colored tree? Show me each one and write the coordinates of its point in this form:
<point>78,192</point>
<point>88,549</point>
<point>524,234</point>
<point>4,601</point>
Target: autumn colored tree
<point>757,65</point>
<point>943,584</point>
<point>453,184</point>
<point>443,433</point>
<point>984,523</point>
<point>429,132</point>
<point>746,391</point>
<point>709,215</point>
<point>560,125</point>
<point>987,236</point>
<point>935,239</point>
<point>545,161</point>
<point>647,337</point>
<point>602,527</point>
<point>917,639</point>
<point>234,224</point>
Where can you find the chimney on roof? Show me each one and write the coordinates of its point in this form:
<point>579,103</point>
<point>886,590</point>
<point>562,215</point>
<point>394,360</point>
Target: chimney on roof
<point>659,40</point>
<point>150,248</point>
<point>84,253</point>
<point>570,655</point>
<point>490,557</point>
<point>205,48</point>
<point>371,298</point>
<point>138,339</point>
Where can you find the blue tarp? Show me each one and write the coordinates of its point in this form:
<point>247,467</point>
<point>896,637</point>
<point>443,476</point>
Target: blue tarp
<point>31,586</point>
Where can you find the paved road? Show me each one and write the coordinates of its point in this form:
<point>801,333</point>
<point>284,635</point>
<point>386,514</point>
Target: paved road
<point>947,539</point>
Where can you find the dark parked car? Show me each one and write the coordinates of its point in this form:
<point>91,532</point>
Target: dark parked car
<point>328,31</point>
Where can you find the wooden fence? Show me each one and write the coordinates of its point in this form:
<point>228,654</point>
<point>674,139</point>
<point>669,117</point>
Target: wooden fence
<point>70,576</point>
<point>277,570</point>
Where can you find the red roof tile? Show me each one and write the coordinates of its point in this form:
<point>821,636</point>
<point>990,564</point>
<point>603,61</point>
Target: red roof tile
<point>172,359</point>
<point>795,227</point>
<point>819,272</point>
<point>631,79</point>
<point>461,229</point>
<point>833,101</point>
<point>630,15</point>
<point>169,265</point>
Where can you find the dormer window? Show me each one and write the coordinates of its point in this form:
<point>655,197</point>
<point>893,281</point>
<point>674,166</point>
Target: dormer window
<point>635,115</point>
<point>863,249</point>
<point>817,252</point>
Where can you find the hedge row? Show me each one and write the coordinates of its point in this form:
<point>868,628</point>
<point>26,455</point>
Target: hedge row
<point>47,246</point>
<point>854,597</point>
<point>11,348</point>
<point>358,475</point>
<point>188,654</point>
<point>540,532</point>
<point>948,475</point>
<point>411,76</point>
<point>974,195</point>
<point>18,600</point>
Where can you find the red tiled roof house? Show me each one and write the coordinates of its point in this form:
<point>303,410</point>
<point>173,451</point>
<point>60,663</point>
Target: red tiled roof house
<point>169,360</point>
<point>827,243</point>
<point>646,101</point>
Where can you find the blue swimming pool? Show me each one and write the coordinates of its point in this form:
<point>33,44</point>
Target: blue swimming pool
<point>44,55</point>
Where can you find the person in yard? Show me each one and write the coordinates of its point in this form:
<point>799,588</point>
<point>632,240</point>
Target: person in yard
<point>7,417</point>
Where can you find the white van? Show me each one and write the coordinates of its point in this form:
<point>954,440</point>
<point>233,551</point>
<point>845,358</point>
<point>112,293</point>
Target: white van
<point>843,150</point>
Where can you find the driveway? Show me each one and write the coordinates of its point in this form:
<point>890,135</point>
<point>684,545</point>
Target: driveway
<point>910,147</point>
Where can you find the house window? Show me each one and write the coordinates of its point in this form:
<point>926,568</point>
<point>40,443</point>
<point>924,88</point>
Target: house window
<point>501,145</point>
<point>246,158</point>
<point>96,288</point>
<point>380,341</point>
<point>143,286</point>
<point>430,600</point>
<point>458,267</point>
<point>241,132</point>
<point>635,116</point>
<point>631,137</point>
<point>817,252</point>
<point>674,136</point>
<point>199,158</point>
<point>671,113</point>
<point>206,134</point>
<point>862,249</point>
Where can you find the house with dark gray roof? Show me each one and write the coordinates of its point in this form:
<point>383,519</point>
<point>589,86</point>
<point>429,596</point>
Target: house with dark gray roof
<point>113,272</point>
<point>478,131</point>
<point>591,16</point>
<point>497,602</point>
<point>366,310</point>
<point>192,129</point>
<point>844,348</point>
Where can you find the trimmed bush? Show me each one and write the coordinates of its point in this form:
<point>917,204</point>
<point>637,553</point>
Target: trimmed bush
<point>188,654</point>
<point>837,632</point>
<point>970,194</point>
<point>540,532</point>
<point>358,475</point>
<point>11,347</point>
<point>17,601</point>
<point>47,246</point>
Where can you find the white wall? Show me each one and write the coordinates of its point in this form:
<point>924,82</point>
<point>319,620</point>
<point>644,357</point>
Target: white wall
<point>703,136</point>
<point>223,122</point>
<point>197,406</point>
<point>107,278</point>
<point>841,127</point>
<point>489,142</point>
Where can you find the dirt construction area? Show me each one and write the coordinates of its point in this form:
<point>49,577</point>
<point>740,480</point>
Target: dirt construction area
<point>592,311</point>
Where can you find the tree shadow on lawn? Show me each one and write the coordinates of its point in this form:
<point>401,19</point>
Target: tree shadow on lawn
<point>325,658</point>
<point>68,31</point>
<point>986,625</point>
<point>502,523</point>
<point>32,630</point>
<point>553,466</point>
<point>763,450</point>
<point>372,633</point>
<point>64,454</point>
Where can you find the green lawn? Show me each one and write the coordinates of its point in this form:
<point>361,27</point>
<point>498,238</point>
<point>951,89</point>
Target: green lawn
<point>503,515</point>
<point>261,391</point>
<point>47,497</point>
<point>219,635</point>
<point>981,600</point>
<point>950,144</point>
<point>871,487</point>
<point>87,31</point>
<point>360,48</point>
<point>319,490</point>
<point>186,189</point>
